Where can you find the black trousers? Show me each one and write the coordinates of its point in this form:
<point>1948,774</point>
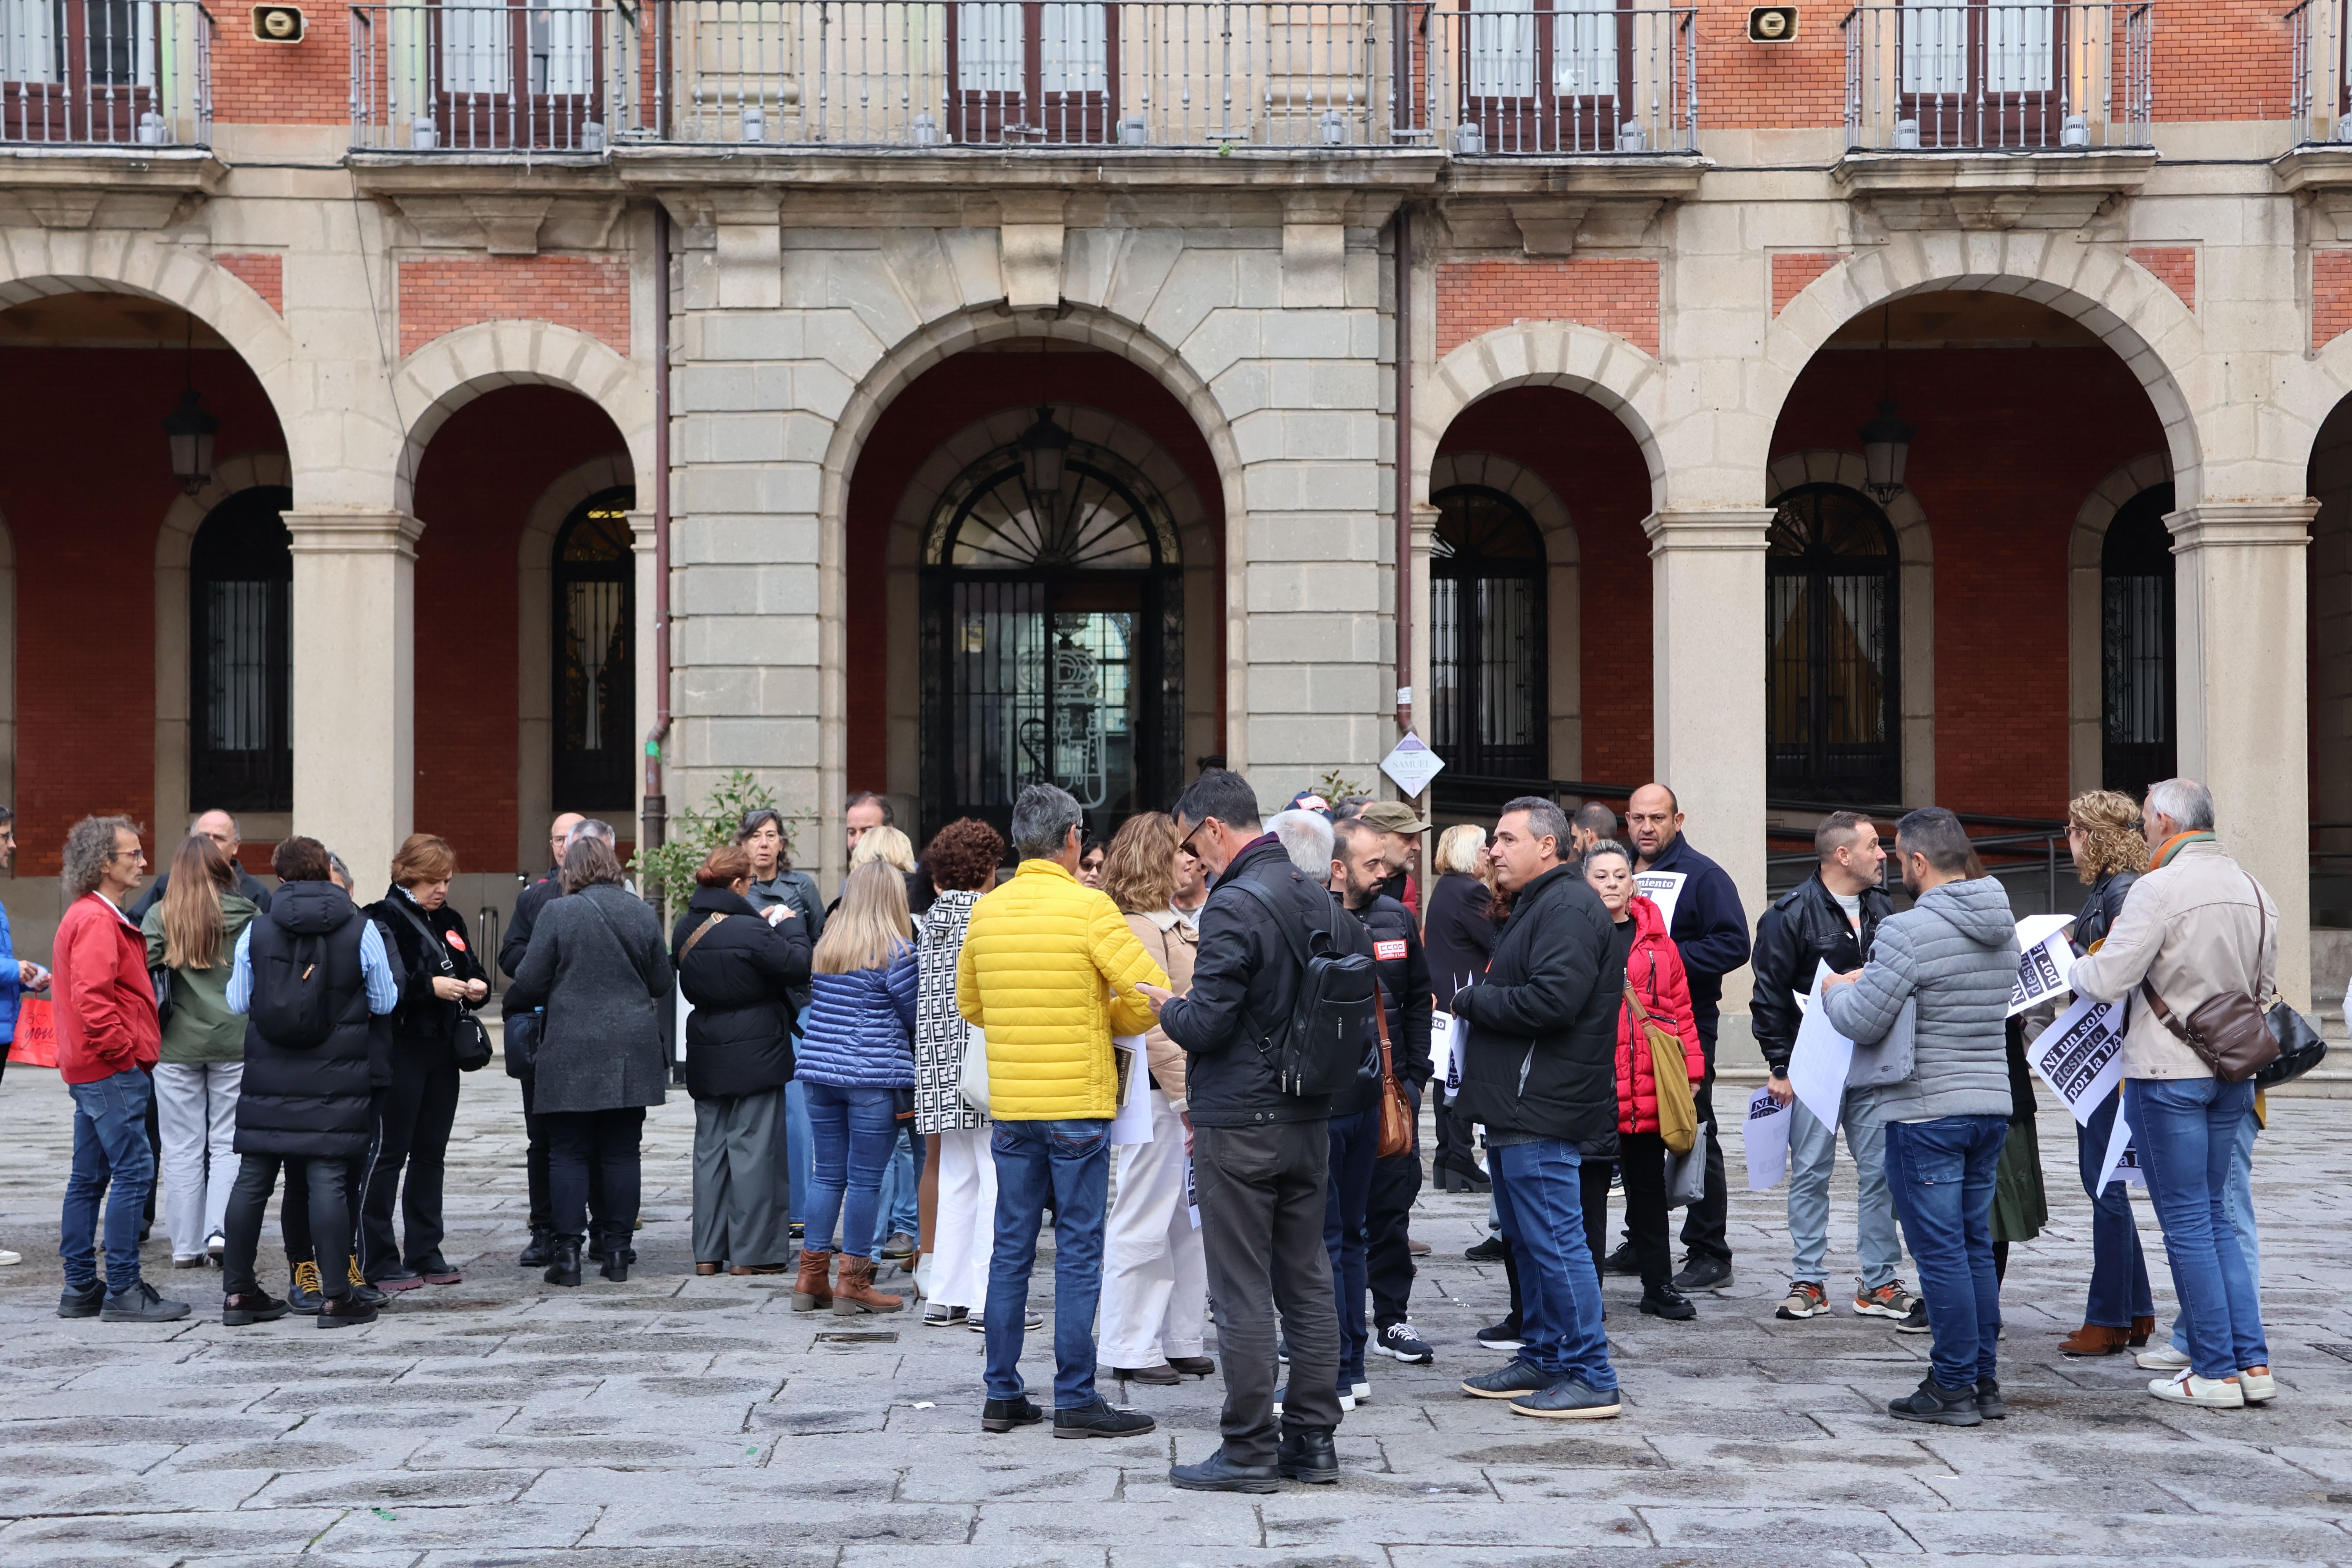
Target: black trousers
<point>1707,1227</point>
<point>1456,1140</point>
<point>411,1136</point>
<point>534,1166</point>
<point>595,1150</point>
<point>1262,1201</point>
<point>1388,1224</point>
<point>321,1184</point>
<point>294,1209</point>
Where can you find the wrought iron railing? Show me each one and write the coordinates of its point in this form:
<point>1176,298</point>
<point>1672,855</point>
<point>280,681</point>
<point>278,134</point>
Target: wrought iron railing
<point>1998,77</point>
<point>492,78</point>
<point>130,73</point>
<point>2316,82</point>
<point>1572,80</point>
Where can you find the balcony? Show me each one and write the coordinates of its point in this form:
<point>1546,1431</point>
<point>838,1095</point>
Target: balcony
<point>77,75</point>
<point>1998,77</point>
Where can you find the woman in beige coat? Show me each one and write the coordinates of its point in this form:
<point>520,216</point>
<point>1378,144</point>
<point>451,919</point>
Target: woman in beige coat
<point>1155,1291</point>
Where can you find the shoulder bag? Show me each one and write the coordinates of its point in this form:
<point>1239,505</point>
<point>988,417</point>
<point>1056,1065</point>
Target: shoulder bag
<point>470,1041</point>
<point>1893,1060</point>
<point>1396,1109</point>
<point>2230,1032</point>
<point>1677,1108</point>
<point>159,980</point>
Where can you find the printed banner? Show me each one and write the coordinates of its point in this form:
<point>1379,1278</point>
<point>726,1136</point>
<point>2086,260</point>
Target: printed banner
<point>1765,1136</point>
<point>1662,888</point>
<point>2121,1163</point>
<point>1132,1125</point>
<point>2044,956</point>
<point>1447,1033</point>
<point>2081,1055</point>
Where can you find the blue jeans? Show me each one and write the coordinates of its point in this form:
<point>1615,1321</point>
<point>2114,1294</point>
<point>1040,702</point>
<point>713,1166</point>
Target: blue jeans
<point>2118,1268</point>
<point>797,1138</point>
<point>109,1147</point>
<point>1537,1191</point>
<point>1355,1140</point>
<point>1071,1161</point>
<point>1942,1171</point>
<point>900,1203</point>
<point>2241,1219</point>
<point>2187,1131</point>
<point>853,1130</point>
<point>1812,1160</point>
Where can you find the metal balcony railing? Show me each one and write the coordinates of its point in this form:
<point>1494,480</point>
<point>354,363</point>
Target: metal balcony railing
<point>1998,77</point>
<point>130,73</point>
<point>492,78</point>
<point>1571,81</point>
<point>2319,90</point>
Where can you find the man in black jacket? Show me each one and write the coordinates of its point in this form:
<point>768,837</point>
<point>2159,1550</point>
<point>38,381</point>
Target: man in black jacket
<point>1260,1153</point>
<point>1829,918</point>
<point>221,828</point>
<point>1540,1072</point>
<point>1356,871</point>
<point>522,1031</point>
<point>1710,930</point>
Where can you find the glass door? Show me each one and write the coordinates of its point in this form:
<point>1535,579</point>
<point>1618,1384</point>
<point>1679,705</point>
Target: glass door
<point>516,75</point>
<point>1034,71</point>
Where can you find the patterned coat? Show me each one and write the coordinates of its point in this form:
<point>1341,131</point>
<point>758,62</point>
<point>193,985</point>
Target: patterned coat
<point>940,1032</point>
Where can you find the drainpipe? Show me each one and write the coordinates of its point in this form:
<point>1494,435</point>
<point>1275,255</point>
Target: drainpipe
<point>1403,473</point>
<point>656,822</point>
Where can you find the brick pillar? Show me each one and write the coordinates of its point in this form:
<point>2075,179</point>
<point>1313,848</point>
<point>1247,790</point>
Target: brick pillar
<point>2241,653</point>
<point>355,684</point>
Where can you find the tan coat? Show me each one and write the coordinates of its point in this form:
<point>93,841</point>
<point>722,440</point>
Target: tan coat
<point>2189,926</point>
<point>1173,942</point>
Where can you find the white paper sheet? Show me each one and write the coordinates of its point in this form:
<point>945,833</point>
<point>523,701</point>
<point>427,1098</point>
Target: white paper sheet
<point>1819,1060</point>
<point>1764,1135</point>
<point>2041,969</point>
<point>2081,1055</point>
<point>1192,1193</point>
<point>1447,1035</point>
<point>2121,1163</point>
<point>1662,888</point>
<point>1132,1125</point>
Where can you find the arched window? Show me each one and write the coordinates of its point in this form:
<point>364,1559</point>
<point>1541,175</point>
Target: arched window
<point>1052,641</point>
<point>240,654</point>
<point>1832,697</point>
<point>2137,713</point>
<point>1488,653</point>
<point>594,621</point>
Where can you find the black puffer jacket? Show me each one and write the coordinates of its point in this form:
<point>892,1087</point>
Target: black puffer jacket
<point>1542,1055</point>
<point>310,1101</point>
<point>1244,983</point>
<point>1403,968</point>
<point>739,976</point>
<point>1792,938</point>
<point>423,1020</point>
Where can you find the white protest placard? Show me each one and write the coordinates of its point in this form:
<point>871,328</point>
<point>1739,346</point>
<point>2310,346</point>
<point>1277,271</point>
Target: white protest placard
<point>2121,1163</point>
<point>2081,1055</point>
<point>2041,964</point>
<point>1447,1033</point>
<point>1819,1060</point>
<point>1192,1193</point>
<point>1412,766</point>
<point>1765,1137</point>
<point>1662,888</point>
<point>1132,1125</point>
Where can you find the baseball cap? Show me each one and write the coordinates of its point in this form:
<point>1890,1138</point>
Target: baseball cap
<point>1393,817</point>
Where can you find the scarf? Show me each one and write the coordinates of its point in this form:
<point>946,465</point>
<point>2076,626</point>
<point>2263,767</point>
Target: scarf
<point>2173,845</point>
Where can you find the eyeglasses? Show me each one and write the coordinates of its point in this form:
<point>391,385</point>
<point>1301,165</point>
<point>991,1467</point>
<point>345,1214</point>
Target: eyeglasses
<point>128,855</point>
<point>1186,847</point>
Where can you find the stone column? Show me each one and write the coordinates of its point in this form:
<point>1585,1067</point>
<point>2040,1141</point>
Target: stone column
<point>648,693</point>
<point>2240,655</point>
<point>1706,630</point>
<point>354,647</point>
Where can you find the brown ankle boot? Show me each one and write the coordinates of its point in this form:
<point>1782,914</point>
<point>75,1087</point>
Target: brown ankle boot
<point>857,1294</point>
<point>813,1289</point>
<point>2092,1339</point>
<point>2140,1329</point>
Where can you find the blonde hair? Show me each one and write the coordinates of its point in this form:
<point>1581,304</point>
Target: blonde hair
<point>1139,867</point>
<point>871,925</point>
<point>1461,848</point>
<point>2111,835</point>
<point>884,844</point>
<point>192,927</point>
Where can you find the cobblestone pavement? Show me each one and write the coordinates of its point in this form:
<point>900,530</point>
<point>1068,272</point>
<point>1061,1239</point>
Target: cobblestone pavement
<point>673,1420</point>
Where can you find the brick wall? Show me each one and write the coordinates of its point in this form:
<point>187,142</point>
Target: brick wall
<point>264,274</point>
<point>2331,296</point>
<point>1793,272</point>
<point>590,293</point>
<point>309,83</point>
<point>2227,61</point>
<point>1743,85</point>
<point>2174,264</point>
<point>1617,294</point>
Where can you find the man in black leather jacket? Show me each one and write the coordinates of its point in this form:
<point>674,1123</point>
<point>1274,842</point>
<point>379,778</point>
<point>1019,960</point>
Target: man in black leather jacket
<point>1829,918</point>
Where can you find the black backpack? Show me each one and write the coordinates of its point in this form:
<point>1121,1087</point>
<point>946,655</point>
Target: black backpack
<point>291,1006</point>
<point>1322,1050</point>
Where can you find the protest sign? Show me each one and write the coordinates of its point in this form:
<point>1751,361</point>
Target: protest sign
<point>2082,1055</point>
<point>1662,888</point>
<point>1132,1125</point>
<point>1445,1036</point>
<point>1819,1060</point>
<point>2044,956</point>
<point>1765,1137</point>
<point>2122,1162</point>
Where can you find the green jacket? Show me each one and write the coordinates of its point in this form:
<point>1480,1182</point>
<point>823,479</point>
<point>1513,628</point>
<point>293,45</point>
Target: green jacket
<point>201,1028</point>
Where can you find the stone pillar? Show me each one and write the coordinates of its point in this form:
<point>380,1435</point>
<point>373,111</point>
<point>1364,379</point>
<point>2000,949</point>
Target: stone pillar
<point>1706,587</point>
<point>648,693</point>
<point>354,647</point>
<point>2240,655</point>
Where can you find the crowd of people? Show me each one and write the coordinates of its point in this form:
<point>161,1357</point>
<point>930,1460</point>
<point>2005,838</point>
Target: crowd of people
<point>1241,1016</point>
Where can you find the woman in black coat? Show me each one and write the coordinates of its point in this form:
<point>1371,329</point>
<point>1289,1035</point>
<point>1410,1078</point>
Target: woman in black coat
<point>598,967</point>
<point>1458,935</point>
<point>740,967</point>
<point>420,1104</point>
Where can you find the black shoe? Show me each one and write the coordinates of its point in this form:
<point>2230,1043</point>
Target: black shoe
<point>1937,1406</point>
<point>1916,1322</point>
<point>1668,1303</point>
<point>302,1292</point>
<point>1623,1262</point>
<point>251,1307</point>
<point>1194,1365</point>
<point>1990,1403</point>
<point>1491,1250</point>
<point>1004,1415</point>
<point>539,1253</point>
<point>563,1263</point>
<point>346,1312</point>
<point>799,1231</point>
<point>1506,1335</point>
<point>1703,1274</point>
<point>1163,1376</point>
<point>1310,1455</point>
<point>1218,1474</point>
<point>616,1264</point>
<point>141,1304</point>
<point>1101,1419</point>
<point>86,1302</point>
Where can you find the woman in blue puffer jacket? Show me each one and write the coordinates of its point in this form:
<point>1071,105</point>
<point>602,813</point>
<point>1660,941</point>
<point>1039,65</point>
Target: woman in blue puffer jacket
<point>856,1063</point>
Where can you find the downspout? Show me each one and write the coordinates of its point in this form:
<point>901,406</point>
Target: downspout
<point>1403,473</point>
<point>657,823</point>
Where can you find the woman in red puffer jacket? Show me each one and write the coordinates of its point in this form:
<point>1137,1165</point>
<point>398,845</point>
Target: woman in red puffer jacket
<point>1654,972</point>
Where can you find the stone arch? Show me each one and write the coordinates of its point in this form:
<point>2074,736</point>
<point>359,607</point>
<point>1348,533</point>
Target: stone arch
<point>2138,317</point>
<point>1584,360</point>
<point>1563,592</point>
<point>173,542</point>
<point>2085,758</point>
<point>534,629</point>
<point>1916,583</point>
<point>457,367</point>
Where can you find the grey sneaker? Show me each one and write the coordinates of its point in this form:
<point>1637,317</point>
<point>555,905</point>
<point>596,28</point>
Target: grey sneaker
<point>141,1304</point>
<point>1916,1321</point>
<point>1520,1378</point>
<point>1568,1400</point>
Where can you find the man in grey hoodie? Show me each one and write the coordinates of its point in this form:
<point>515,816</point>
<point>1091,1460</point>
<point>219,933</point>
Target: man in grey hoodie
<point>1954,954</point>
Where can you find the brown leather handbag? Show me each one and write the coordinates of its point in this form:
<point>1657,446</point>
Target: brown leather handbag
<point>2230,1033</point>
<point>1396,1110</point>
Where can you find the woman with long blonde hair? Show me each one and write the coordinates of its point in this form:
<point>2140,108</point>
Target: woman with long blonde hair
<point>191,934</point>
<point>858,1061</point>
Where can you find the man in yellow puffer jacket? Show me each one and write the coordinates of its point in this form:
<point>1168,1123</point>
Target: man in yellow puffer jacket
<point>1048,973</point>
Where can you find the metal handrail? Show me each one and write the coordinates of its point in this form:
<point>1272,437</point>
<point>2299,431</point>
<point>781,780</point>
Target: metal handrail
<point>136,74</point>
<point>1947,75</point>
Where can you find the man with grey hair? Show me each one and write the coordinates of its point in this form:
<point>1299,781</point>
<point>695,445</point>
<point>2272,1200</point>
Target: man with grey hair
<point>221,828</point>
<point>2197,926</point>
<point>521,1035</point>
<point>1306,837</point>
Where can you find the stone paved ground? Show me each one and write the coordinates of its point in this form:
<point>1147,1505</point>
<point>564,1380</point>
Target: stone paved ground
<point>700,1423</point>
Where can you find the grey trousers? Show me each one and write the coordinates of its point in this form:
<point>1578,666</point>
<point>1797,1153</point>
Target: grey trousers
<point>1261,1199</point>
<point>742,1203</point>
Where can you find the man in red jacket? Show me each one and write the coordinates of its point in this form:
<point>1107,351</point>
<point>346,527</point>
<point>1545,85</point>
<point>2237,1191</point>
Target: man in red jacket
<point>107,1040</point>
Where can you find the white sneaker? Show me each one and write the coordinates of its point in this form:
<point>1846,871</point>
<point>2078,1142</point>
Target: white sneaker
<point>2163,1358</point>
<point>1360,1392</point>
<point>7,1258</point>
<point>2259,1387</point>
<point>2186,1387</point>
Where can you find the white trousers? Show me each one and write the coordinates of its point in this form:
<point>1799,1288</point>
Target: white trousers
<point>1155,1292</point>
<point>196,1112</point>
<point>965,1226</point>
